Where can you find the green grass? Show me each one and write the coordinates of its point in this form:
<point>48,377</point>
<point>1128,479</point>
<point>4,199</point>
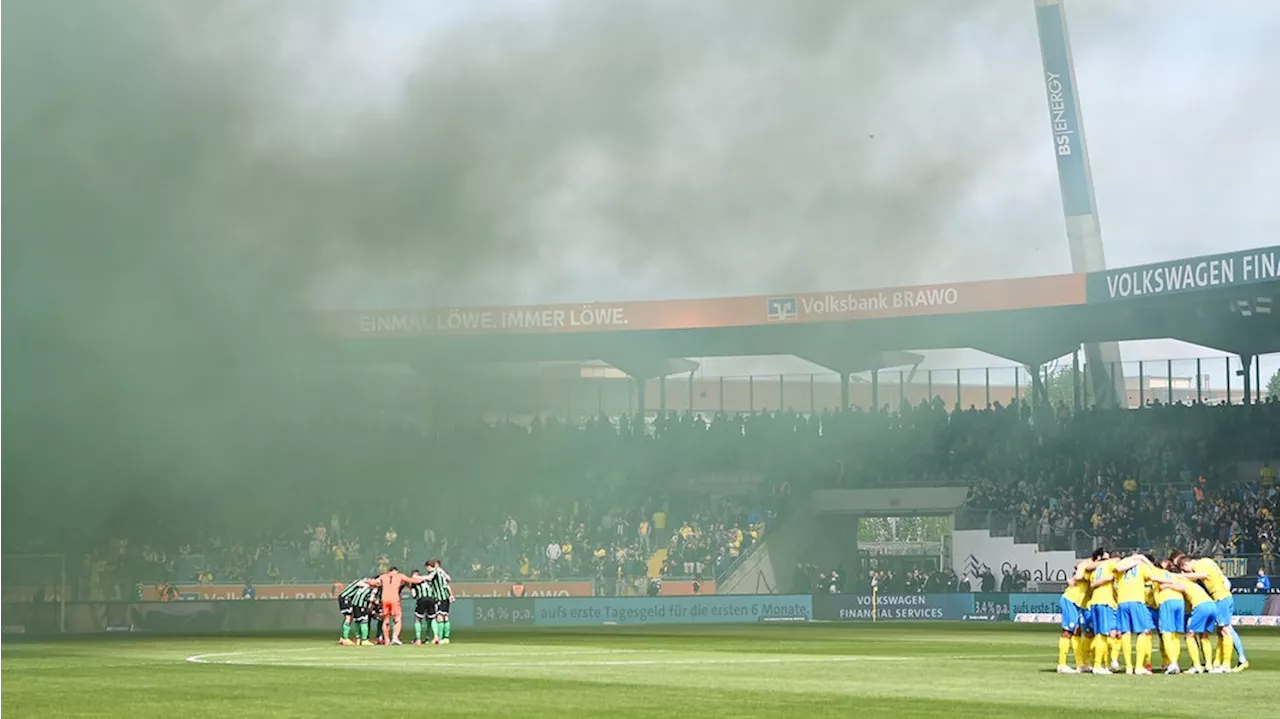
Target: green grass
<point>898,670</point>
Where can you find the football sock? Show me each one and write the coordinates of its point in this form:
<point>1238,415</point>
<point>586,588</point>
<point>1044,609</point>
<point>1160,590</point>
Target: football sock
<point>1206,646</point>
<point>1064,645</point>
<point>448,628</point>
<point>346,630</point>
<point>1126,646</point>
<point>1099,651</point>
<point>417,630</point>
<point>1239,645</point>
<point>1114,643</point>
<point>1193,648</point>
<point>1144,650</point>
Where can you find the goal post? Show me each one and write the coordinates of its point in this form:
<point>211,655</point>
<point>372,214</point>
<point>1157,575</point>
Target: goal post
<point>35,579</point>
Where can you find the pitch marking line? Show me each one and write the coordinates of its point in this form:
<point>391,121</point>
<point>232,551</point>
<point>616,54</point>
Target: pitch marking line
<point>209,658</point>
<point>268,658</point>
<point>536,659</point>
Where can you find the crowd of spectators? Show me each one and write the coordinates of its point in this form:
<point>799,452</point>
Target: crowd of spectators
<point>1164,476</point>
<point>612,548</point>
<point>596,499</point>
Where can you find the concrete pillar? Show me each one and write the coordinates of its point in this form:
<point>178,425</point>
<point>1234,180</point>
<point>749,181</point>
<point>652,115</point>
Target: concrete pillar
<point>640,383</point>
<point>1075,380</point>
<point>1246,364</point>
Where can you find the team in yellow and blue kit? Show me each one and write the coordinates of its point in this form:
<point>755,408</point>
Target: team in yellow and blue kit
<point>1111,601</point>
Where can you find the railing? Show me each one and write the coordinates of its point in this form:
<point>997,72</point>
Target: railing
<point>1024,530</point>
<point>1204,379</point>
<point>722,574</point>
<point>786,510</point>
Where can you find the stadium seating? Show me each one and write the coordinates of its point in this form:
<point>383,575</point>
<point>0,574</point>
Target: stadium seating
<point>553,500</point>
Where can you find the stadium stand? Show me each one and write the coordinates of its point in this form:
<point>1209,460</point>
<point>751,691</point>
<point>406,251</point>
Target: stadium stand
<point>631,500</point>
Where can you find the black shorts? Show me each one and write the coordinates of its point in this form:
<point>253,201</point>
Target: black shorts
<point>360,613</point>
<point>442,606</point>
<point>424,608</point>
<point>344,606</point>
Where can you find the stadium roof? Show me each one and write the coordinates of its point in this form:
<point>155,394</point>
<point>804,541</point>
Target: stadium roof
<point>1221,301</point>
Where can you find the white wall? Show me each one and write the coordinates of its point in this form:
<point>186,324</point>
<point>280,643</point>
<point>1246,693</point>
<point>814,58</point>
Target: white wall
<point>975,547</point>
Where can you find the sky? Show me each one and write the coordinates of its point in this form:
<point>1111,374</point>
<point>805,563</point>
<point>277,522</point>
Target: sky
<point>945,114</point>
<point>342,154</point>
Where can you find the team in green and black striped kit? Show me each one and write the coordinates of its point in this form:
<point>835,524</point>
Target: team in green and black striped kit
<point>360,601</point>
<point>431,608</point>
<point>357,603</point>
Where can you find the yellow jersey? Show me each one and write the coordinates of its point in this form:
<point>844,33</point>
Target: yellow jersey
<point>1131,584</point>
<point>1215,581</point>
<point>1077,591</point>
<point>1150,594</point>
<point>1195,594</point>
<point>1163,595</point>
<point>1105,593</point>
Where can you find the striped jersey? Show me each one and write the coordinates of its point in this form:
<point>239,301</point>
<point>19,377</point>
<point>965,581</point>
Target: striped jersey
<point>356,593</point>
<point>420,591</point>
<point>437,585</point>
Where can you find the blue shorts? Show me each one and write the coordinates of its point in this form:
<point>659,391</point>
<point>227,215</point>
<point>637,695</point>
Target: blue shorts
<point>1072,616</point>
<point>1225,608</point>
<point>1134,618</point>
<point>1104,618</point>
<point>1155,616</point>
<point>1203,619</point>
<point>1173,616</point>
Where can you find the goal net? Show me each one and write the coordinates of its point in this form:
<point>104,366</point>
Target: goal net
<point>35,593</point>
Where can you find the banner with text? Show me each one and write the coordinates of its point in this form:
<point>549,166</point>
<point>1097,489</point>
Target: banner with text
<point>1233,269</point>
<point>844,305</point>
<point>497,612</point>
<point>1064,111</point>
<point>461,590</point>
<point>890,607</point>
<point>1032,603</point>
<point>990,606</point>
<point>673,610</point>
<point>200,617</point>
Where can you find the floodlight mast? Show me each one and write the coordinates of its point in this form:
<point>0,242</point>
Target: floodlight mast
<point>1075,183</point>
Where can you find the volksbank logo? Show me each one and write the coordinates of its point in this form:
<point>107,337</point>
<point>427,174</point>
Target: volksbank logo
<point>972,565</point>
<point>782,309</point>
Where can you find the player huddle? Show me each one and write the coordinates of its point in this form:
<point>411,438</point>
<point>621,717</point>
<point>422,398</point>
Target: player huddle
<point>376,600</point>
<point>1109,601</point>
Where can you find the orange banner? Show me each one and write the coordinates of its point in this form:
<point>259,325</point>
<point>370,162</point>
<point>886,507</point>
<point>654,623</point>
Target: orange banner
<point>684,588</point>
<point>531,589</point>
<point>953,298</point>
<point>215,592</point>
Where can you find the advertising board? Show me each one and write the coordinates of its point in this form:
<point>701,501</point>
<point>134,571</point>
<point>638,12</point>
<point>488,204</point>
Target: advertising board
<point>890,607</point>
<point>719,609</point>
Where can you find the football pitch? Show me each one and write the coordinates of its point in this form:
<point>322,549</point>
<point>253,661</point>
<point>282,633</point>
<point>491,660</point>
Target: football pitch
<point>898,670</point>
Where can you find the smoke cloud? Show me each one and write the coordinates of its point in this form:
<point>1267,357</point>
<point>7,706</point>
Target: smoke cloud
<point>181,175</point>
